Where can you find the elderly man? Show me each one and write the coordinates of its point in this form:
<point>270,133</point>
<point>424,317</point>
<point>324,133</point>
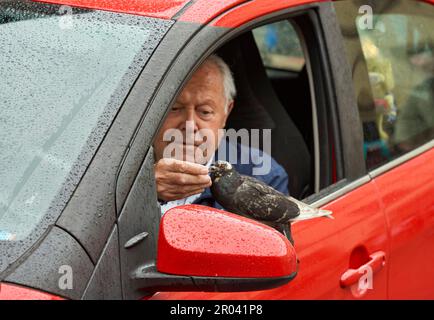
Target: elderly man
<point>204,104</point>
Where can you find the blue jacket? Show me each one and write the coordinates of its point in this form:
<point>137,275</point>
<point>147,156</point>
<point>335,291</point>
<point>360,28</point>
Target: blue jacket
<point>276,177</point>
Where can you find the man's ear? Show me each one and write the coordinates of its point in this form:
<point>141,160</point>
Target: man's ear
<point>230,107</point>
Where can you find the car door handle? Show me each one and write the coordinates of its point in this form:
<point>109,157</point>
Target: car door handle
<point>351,276</point>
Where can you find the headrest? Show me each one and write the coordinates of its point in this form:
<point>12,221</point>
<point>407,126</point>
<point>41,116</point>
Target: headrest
<point>249,111</point>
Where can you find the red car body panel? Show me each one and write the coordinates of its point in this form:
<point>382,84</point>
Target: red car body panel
<point>151,8</point>
<point>204,11</point>
<point>13,292</point>
<point>408,199</point>
<point>200,11</point>
<point>327,249</point>
<point>245,12</point>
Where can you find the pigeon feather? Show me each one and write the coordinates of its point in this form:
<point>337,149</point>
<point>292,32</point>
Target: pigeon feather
<point>250,197</point>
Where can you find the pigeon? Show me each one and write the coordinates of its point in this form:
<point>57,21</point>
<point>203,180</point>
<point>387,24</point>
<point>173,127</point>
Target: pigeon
<point>252,198</point>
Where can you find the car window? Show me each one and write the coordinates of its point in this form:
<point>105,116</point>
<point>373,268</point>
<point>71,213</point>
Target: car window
<point>282,48</point>
<point>63,79</point>
<point>397,48</point>
<point>279,46</point>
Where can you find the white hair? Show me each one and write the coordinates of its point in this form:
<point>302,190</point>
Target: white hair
<point>228,79</point>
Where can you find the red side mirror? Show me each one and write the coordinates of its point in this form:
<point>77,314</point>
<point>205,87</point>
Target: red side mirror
<point>199,241</point>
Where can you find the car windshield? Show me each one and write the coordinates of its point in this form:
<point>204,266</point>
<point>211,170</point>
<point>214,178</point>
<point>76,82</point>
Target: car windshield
<point>63,75</point>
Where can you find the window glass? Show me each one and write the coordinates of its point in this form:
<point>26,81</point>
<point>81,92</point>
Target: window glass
<point>62,81</point>
<point>279,46</point>
<point>397,44</point>
<point>306,122</point>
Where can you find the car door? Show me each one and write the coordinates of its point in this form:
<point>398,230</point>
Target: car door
<point>345,257</point>
<point>399,50</point>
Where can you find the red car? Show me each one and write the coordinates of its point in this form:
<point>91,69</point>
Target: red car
<point>346,88</point>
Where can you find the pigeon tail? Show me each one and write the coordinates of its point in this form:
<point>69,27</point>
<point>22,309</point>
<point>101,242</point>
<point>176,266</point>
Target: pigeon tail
<point>312,213</point>
<point>307,212</point>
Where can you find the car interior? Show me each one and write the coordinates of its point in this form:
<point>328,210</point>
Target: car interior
<point>276,99</point>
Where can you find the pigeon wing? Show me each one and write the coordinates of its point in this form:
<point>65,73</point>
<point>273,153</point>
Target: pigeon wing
<point>256,199</point>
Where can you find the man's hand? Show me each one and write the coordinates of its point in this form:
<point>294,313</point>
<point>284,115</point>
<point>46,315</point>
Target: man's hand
<point>179,179</point>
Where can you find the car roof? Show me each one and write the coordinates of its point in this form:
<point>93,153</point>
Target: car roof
<point>166,9</point>
<point>201,11</point>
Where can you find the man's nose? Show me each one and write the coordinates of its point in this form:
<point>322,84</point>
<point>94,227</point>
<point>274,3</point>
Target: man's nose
<point>190,121</point>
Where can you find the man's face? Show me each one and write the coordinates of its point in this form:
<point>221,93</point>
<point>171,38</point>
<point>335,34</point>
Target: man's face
<point>201,105</point>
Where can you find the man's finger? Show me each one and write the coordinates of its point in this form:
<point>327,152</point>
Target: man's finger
<point>184,189</point>
<point>170,196</point>
<point>186,179</point>
<point>186,167</point>
<point>198,191</point>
